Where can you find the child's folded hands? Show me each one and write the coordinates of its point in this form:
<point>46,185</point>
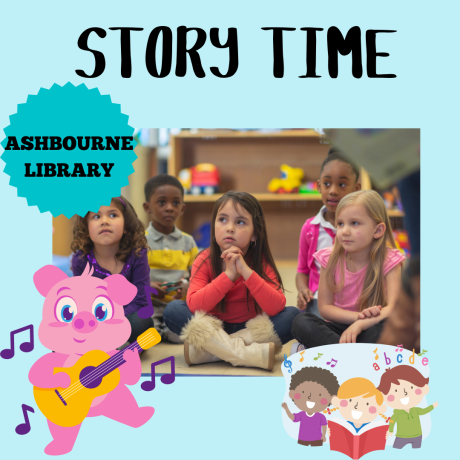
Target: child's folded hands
<point>370,312</point>
<point>236,259</point>
<point>231,250</point>
<point>230,265</point>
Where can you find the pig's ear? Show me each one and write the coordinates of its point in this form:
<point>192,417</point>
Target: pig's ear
<point>47,277</point>
<point>120,289</point>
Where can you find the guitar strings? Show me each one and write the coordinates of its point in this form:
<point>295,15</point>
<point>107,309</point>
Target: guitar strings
<point>93,374</point>
<point>108,363</point>
<point>101,370</point>
<point>105,366</point>
<point>116,359</point>
<point>77,386</point>
<point>89,377</point>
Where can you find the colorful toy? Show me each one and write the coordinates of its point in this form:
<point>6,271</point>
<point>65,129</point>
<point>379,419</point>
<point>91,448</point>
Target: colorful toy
<point>392,199</point>
<point>83,322</point>
<point>185,178</point>
<point>203,178</point>
<point>290,181</point>
<point>402,241</point>
<point>309,188</point>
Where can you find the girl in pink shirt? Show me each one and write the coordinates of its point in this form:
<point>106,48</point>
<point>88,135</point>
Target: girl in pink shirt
<point>235,309</point>
<point>338,178</point>
<point>360,276</point>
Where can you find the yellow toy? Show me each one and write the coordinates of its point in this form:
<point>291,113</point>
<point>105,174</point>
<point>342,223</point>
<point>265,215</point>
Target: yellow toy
<point>290,181</point>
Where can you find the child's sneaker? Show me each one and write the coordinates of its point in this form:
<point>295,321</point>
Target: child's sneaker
<point>296,347</point>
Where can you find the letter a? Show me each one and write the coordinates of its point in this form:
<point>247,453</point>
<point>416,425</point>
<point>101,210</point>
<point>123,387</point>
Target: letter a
<point>376,366</point>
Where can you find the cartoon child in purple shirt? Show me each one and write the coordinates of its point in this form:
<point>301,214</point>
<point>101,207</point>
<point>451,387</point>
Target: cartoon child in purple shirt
<point>311,390</point>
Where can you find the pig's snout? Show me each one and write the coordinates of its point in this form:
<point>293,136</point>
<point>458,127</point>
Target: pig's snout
<point>84,322</point>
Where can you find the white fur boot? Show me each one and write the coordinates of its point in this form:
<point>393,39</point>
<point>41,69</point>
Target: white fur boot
<point>259,330</point>
<point>206,340</point>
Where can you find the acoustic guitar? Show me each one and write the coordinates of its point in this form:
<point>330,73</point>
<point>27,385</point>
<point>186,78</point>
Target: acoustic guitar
<point>94,374</point>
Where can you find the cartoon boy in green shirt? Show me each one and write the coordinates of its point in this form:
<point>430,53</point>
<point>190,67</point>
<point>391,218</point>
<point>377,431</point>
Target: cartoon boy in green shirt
<point>404,388</point>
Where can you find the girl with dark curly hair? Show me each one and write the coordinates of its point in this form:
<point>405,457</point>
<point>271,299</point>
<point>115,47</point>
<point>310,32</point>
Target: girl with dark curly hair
<point>113,241</point>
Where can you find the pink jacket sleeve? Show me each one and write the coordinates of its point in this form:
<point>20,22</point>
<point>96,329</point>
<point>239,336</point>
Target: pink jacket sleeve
<point>266,294</point>
<point>304,246</point>
<point>204,293</point>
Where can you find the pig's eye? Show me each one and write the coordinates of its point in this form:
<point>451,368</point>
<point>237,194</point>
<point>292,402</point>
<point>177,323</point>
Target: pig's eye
<point>102,308</point>
<point>66,309</point>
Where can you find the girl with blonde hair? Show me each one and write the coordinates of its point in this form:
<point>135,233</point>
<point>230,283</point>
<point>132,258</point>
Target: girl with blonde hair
<point>360,276</point>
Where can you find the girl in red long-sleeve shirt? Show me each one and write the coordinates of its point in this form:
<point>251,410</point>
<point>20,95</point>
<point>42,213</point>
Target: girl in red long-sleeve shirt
<point>235,308</point>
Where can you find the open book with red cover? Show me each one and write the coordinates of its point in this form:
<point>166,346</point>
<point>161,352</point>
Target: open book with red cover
<point>343,438</point>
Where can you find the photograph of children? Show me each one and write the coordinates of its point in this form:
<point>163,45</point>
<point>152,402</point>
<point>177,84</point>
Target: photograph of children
<point>259,244</point>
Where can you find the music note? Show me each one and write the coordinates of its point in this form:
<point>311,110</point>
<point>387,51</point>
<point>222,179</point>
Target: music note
<point>333,361</point>
<point>301,356</point>
<point>376,355</point>
<point>319,356</point>
<point>287,363</point>
<point>424,351</point>
<point>26,347</point>
<point>399,348</point>
<point>147,312</point>
<point>24,428</point>
<point>167,379</point>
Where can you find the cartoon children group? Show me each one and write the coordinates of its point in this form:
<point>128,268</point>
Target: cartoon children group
<point>359,402</point>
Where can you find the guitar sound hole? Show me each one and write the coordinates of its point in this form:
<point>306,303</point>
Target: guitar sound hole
<point>89,382</point>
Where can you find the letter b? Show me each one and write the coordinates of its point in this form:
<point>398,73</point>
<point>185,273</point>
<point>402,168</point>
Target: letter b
<point>50,169</point>
<point>387,360</point>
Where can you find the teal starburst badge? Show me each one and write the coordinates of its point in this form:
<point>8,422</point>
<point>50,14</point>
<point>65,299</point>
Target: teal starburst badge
<point>68,150</point>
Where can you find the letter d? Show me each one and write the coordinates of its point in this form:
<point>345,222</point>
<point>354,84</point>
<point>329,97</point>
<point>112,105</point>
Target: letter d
<point>412,358</point>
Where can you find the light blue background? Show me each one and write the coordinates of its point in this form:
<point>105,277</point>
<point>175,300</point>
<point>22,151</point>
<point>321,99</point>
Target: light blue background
<point>205,417</point>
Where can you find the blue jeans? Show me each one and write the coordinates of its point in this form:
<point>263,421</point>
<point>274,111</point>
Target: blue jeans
<point>177,315</point>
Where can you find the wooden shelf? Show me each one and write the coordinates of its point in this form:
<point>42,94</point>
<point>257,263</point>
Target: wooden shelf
<point>221,134</point>
<point>395,213</point>
<point>259,196</point>
<point>247,161</point>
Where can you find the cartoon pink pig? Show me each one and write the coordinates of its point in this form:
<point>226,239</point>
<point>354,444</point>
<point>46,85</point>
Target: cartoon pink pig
<point>80,314</point>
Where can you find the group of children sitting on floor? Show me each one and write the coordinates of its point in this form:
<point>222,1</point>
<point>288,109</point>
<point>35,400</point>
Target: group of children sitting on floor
<point>232,307</point>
